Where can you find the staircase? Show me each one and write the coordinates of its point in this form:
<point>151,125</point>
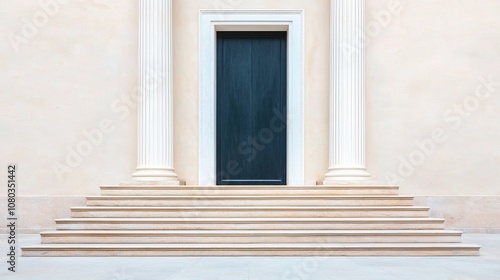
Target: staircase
<point>250,221</point>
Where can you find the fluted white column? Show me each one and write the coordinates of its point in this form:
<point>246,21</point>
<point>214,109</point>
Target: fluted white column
<point>155,120</point>
<point>347,93</point>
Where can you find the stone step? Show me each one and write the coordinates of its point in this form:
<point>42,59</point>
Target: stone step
<point>250,224</point>
<point>255,211</point>
<point>342,220</point>
<point>195,201</point>
<point>198,250</point>
<point>154,190</point>
<point>249,236</point>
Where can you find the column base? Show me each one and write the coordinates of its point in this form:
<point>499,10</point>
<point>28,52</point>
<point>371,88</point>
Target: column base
<point>152,183</point>
<point>155,176</point>
<point>346,175</point>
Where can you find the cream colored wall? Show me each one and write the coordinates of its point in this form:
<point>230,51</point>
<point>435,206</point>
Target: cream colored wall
<point>430,57</point>
<point>77,68</point>
<point>64,79</point>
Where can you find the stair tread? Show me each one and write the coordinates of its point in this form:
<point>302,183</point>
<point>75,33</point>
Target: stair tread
<point>226,197</point>
<point>318,208</point>
<point>253,232</point>
<point>254,246</point>
<point>256,249</point>
<point>246,220</point>
<point>183,187</point>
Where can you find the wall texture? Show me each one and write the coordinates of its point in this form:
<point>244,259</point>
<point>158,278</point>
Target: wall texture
<point>61,77</point>
<point>424,71</point>
<point>66,79</point>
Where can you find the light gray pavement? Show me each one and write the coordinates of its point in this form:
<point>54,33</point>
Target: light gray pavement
<point>485,267</point>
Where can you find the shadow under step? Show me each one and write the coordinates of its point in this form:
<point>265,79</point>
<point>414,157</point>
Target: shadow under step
<point>197,250</point>
<point>197,201</point>
<point>154,190</point>
<point>256,211</point>
<point>250,236</point>
<point>250,223</point>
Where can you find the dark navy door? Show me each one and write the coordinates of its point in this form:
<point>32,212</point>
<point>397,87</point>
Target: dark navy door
<point>251,108</point>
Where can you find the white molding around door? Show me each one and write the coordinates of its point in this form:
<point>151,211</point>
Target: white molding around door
<point>212,21</point>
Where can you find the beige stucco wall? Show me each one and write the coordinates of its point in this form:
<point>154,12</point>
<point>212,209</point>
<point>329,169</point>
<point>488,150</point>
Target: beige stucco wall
<point>61,81</point>
<point>75,70</point>
<point>428,59</point>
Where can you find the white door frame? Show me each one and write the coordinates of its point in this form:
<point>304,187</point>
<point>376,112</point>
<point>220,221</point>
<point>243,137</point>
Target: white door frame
<point>212,21</point>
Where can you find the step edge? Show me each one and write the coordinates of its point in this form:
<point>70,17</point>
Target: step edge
<point>258,245</point>
<point>255,220</point>
<point>268,208</point>
<point>252,197</point>
<point>252,232</point>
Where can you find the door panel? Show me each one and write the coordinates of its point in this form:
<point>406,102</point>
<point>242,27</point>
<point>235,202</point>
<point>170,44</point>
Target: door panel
<point>251,105</point>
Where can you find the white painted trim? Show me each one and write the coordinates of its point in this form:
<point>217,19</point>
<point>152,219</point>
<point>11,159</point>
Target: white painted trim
<point>255,20</point>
